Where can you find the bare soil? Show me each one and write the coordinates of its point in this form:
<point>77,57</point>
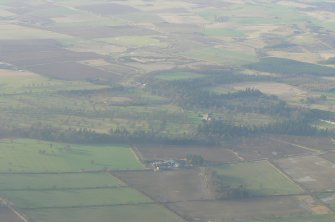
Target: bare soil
<point>71,71</point>
<point>255,148</point>
<point>312,172</point>
<point>26,53</point>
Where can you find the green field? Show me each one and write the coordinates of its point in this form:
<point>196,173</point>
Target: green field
<point>10,31</point>
<point>133,41</point>
<point>74,198</point>
<point>262,13</point>
<point>138,213</point>
<point>11,84</point>
<point>260,178</point>
<point>316,218</point>
<point>224,32</point>
<point>328,198</point>
<point>56,181</point>
<point>222,56</point>
<point>178,75</point>
<point>24,155</point>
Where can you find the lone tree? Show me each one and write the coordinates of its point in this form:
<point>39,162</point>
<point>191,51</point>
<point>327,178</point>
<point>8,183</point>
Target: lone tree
<point>195,160</point>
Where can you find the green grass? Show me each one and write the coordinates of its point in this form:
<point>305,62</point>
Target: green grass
<point>328,198</point>
<point>260,178</point>
<point>314,218</point>
<point>178,75</point>
<point>39,84</point>
<point>9,31</point>
<point>138,213</point>
<point>221,89</point>
<point>222,56</point>
<point>56,181</point>
<point>252,14</point>
<point>132,41</point>
<point>289,67</point>
<point>71,198</point>
<point>222,32</point>
<point>37,156</point>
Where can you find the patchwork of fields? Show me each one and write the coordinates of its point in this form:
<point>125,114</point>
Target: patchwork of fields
<point>104,88</point>
<point>50,184</point>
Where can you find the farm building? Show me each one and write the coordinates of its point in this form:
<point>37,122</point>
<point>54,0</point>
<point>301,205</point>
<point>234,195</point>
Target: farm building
<point>165,165</point>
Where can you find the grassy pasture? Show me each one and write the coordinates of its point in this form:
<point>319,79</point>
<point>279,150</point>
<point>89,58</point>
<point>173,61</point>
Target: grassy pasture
<point>138,213</point>
<point>10,82</point>
<point>222,56</point>
<point>77,198</point>
<point>178,75</point>
<point>132,41</point>
<point>246,14</point>
<point>56,181</point>
<point>260,178</point>
<point>221,32</point>
<point>328,198</point>
<point>85,20</point>
<point>315,218</point>
<point>11,31</point>
<point>171,186</point>
<point>23,155</point>
<point>254,208</point>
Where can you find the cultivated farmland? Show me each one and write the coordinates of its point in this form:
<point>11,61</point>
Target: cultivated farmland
<point>239,95</point>
<point>32,156</point>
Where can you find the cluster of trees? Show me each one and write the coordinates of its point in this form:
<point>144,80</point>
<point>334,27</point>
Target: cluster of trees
<point>218,130</point>
<point>222,190</point>
<point>86,136</point>
<point>193,94</point>
<point>195,160</point>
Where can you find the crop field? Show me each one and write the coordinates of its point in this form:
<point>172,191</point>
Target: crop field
<point>169,186</point>
<point>8,31</point>
<point>39,156</point>
<point>178,76</point>
<point>312,172</point>
<point>132,41</point>
<point>245,209</point>
<point>328,198</point>
<point>13,182</point>
<point>315,143</point>
<point>224,32</point>
<point>317,218</point>
<point>260,178</point>
<point>36,84</point>
<point>8,215</point>
<point>99,86</point>
<point>74,198</point>
<point>223,56</point>
<point>85,195</point>
<point>159,152</point>
<point>138,213</point>
<point>265,147</point>
<point>277,89</point>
